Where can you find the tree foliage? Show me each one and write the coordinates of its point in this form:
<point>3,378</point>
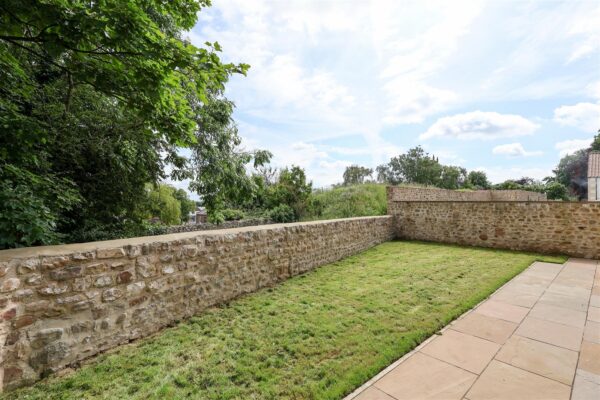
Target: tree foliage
<point>348,201</point>
<point>292,189</point>
<point>282,214</point>
<point>355,174</point>
<point>96,100</point>
<point>452,177</point>
<point>218,163</point>
<point>419,167</point>
<point>556,191</point>
<point>571,172</point>
<point>479,180</point>
<point>596,142</point>
<point>162,204</point>
<point>186,205</point>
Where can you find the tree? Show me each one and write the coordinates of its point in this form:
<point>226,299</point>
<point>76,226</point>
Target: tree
<point>291,189</point>
<point>452,177</point>
<point>356,175</point>
<point>185,204</point>
<point>162,203</point>
<point>386,175</point>
<point>556,191</point>
<point>571,172</point>
<point>96,98</point>
<point>509,184</point>
<point>218,163</point>
<point>98,148</point>
<point>129,50</point>
<point>479,179</point>
<point>415,166</point>
<point>596,143</point>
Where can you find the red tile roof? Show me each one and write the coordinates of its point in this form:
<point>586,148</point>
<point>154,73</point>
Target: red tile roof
<point>594,164</point>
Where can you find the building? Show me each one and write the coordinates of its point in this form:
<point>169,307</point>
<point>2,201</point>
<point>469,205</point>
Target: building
<point>594,176</point>
<point>198,217</point>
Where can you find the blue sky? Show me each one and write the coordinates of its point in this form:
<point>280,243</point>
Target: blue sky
<point>507,87</point>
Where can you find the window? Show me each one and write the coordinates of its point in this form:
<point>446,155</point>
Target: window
<point>598,188</point>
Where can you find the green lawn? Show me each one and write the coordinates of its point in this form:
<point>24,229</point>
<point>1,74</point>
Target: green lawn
<point>316,336</point>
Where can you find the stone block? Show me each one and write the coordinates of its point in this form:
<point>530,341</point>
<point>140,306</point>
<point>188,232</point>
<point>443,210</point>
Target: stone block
<point>112,294</point>
<point>10,284</point>
<point>116,252</point>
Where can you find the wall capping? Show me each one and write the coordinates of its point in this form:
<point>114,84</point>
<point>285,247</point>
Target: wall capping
<point>60,249</point>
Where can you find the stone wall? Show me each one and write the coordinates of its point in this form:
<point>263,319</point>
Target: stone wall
<point>570,228</point>
<point>398,193</point>
<point>62,304</point>
<point>207,226</point>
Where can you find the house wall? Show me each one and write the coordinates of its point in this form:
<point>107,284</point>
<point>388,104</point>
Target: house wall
<point>553,227</point>
<point>62,304</point>
<point>594,189</point>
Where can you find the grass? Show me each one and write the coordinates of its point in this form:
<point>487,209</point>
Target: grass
<point>348,201</point>
<point>316,336</point>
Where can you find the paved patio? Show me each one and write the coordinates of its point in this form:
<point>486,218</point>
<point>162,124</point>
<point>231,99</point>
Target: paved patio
<point>537,337</point>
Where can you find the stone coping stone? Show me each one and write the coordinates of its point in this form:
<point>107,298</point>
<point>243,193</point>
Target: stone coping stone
<point>61,249</point>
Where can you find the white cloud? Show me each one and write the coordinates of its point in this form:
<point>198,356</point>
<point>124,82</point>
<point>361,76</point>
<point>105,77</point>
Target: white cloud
<point>514,150</point>
<point>587,32</point>
<point>299,153</point>
<point>413,50</point>
<point>585,116</point>
<point>412,102</point>
<point>593,90</point>
<point>542,38</point>
<point>480,125</point>
<point>571,146</point>
<point>325,70</point>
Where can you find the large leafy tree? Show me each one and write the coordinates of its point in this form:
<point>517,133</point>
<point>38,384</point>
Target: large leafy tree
<point>478,179</point>
<point>185,204</point>
<point>596,143</point>
<point>571,172</point>
<point>218,163</point>
<point>162,203</point>
<point>356,175</point>
<point>414,166</point>
<point>96,98</point>
<point>292,189</point>
<point>452,177</point>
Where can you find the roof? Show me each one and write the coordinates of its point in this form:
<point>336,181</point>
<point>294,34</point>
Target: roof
<point>594,164</point>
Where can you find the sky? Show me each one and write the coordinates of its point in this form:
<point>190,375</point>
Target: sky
<point>507,87</point>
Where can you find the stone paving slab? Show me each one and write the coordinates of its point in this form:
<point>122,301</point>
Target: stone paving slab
<point>537,337</point>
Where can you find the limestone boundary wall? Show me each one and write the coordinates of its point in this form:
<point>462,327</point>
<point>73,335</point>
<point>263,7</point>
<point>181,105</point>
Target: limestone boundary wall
<point>399,193</point>
<point>206,226</point>
<point>552,227</point>
<point>62,304</point>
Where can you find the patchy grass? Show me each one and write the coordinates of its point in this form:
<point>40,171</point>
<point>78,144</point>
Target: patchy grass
<point>316,336</point>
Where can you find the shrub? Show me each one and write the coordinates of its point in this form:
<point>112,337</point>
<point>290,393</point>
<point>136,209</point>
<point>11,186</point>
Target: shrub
<point>556,191</point>
<point>282,213</point>
<point>233,214</point>
<point>94,231</point>
<point>348,201</point>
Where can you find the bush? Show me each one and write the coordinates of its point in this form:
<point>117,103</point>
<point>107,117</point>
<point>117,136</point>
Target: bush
<point>94,231</point>
<point>556,191</point>
<point>282,213</point>
<point>348,201</point>
<point>31,207</point>
<point>233,214</point>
